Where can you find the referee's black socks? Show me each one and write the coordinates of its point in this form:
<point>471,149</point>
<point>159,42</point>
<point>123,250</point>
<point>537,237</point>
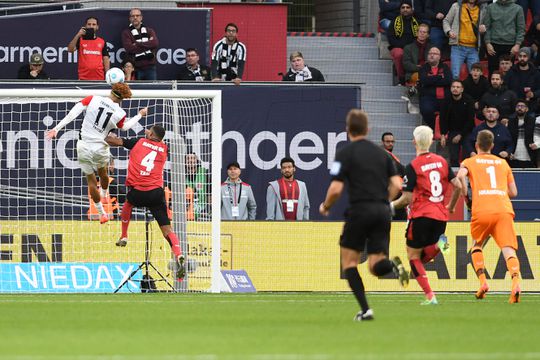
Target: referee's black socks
<point>383,267</point>
<point>357,287</point>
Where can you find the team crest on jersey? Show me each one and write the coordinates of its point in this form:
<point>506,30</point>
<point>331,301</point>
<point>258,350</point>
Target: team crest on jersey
<point>336,167</point>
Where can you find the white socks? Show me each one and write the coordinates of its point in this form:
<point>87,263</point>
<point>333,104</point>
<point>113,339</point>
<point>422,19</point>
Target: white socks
<point>99,207</point>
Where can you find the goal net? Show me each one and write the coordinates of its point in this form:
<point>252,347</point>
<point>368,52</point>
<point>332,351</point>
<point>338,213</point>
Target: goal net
<point>51,239</point>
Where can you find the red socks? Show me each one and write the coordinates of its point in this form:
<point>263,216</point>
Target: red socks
<point>420,273</point>
<point>175,244</point>
<point>126,217</point>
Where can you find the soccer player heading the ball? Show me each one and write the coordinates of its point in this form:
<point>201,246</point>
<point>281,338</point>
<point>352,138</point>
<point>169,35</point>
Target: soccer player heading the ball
<point>147,159</point>
<point>103,114</point>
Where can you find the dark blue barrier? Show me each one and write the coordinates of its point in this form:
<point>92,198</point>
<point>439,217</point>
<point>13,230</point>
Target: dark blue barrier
<point>50,33</point>
<point>261,124</point>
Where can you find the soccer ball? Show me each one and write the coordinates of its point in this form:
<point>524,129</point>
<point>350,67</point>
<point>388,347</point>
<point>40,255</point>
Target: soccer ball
<point>114,75</point>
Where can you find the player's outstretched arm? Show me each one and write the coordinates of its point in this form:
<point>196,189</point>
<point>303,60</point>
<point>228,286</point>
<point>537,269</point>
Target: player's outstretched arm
<point>72,115</point>
<point>131,122</point>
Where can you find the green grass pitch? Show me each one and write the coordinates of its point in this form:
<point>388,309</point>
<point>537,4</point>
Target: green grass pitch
<point>266,326</point>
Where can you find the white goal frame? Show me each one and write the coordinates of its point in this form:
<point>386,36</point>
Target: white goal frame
<point>216,128</point>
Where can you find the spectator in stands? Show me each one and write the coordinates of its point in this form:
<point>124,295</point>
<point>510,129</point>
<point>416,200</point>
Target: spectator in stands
<point>197,191</point>
<point>500,97</point>
<point>415,55</point>
<point>300,72</point>
<point>129,70</point>
<point>237,200</point>
<point>93,56</point>
<point>503,140</point>
<point>435,80</point>
<point>34,69</point>
<point>476,84</point>
<point>436,11</point>
<point>388,11</point>
<point>505,30</point>
<point>521,127</point>
<point>463,27</point>
<point>402,31</point>
<point>524,79</point>
<point>532,39</point>
<point>141,43</point>
<point>229,57</point>
<point>192,70</point>
<point>456,120</point>
<point>505,63</point>
<point>287,198</point>
<point>388,141</point>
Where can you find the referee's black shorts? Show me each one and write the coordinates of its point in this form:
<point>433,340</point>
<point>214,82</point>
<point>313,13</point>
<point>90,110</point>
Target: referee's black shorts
<point>154,200</point>
<point>423,231</point>
<point>367,227</point>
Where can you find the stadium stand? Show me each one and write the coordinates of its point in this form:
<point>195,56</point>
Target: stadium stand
<point>347,59</point>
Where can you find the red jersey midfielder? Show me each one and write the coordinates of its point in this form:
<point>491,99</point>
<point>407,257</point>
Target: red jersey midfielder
<point>144,181</point>
<point>425,184</point>
<point>492,186</point>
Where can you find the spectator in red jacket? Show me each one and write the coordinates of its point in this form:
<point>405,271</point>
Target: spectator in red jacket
<point>92,51</point>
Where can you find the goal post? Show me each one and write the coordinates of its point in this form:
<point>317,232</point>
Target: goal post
<point>50,241</point>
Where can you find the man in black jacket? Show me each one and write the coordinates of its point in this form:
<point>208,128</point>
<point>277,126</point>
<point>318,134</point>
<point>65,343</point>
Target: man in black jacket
<point>33,70</point>
<point>523,78</point>
<point>192,70</point>
<point>456,120</point>
<point>521,127</point>
<point>500,97</point>
<point>476,84</point>
<point>299,72</point>
<point>402,31</point>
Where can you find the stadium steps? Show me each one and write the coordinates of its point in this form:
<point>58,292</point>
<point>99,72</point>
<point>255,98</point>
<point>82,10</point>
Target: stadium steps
<point>358,60</point>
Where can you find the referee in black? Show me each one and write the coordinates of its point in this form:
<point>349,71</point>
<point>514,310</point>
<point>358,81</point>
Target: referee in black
<point>372,180</point>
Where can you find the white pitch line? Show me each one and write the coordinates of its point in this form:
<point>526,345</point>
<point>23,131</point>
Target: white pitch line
<point>368,356</point>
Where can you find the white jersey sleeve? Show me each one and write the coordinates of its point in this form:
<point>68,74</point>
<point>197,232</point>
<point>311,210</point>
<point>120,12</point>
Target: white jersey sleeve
<point>102,116</point>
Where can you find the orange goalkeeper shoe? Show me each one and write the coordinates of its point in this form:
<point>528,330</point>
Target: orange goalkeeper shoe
<point>515,295</point>
<point>103,219</point>
<point>481,293</point>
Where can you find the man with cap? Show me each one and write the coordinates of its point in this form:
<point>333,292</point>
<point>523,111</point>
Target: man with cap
<point>237,200</point>
<point>523,78</point>
<point>402,31</point>
<point>34,70</point>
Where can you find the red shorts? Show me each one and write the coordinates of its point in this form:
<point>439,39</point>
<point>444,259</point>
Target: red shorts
<point>499,226</point>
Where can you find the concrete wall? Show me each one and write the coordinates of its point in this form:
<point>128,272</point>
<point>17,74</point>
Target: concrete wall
<point>346,15</point>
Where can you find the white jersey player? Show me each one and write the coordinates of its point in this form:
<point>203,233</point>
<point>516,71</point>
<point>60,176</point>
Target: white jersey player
<point>103,114</point>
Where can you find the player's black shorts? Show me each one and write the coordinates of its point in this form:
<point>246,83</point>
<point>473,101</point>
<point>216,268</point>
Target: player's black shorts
<point>423,231</point>
<point>154,200</point>
<point>367,227</point>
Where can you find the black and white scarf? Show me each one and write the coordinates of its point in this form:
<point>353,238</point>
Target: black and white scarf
<point>228,57</point>
<point>302,75</point>
<point>141,36</point>
<point>196,71</point>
